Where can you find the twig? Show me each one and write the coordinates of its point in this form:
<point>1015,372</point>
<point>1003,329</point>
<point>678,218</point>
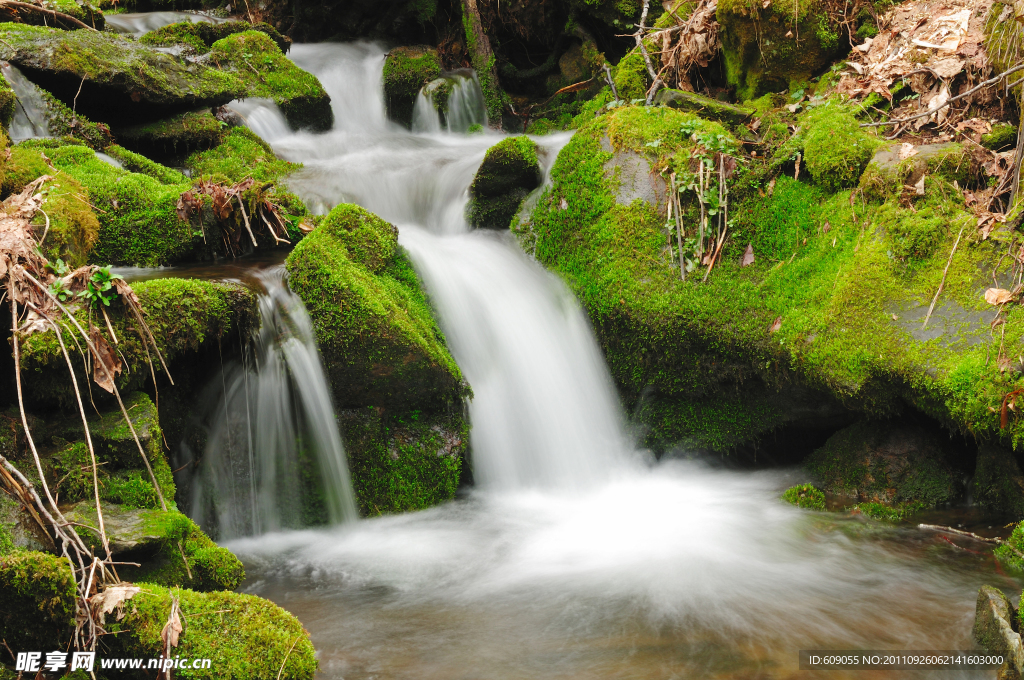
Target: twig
<point>297,637</point>
<point>60,16</point>
<point>939,527</point>
<point>246,218</point>
<point>943,282</point>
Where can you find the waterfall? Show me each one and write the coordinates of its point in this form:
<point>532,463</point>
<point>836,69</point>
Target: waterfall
<point>461,108</point>
<point>140,23</point>
<point>262,116</point>
<point>31,120</point>
<point>274,458</point>
<point>544,412</point>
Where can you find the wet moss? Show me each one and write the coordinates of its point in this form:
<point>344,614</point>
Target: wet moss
<point>805,496</point>
<point>174,137</point>
<point>138,163</point>
<point>79,9</point>
<point>209,567</point>
<point>631,77</point>
<point>1002,137</point>
<point>889,513</point>
<point>242,154</point>
<point>66,123</point>
<point>243,636</point>
<point>836,149</point>
<point>406,71</point>
<point>8,103</point>
<point>509,172</point>
<point>200,36</point>
<point>37,600</point>
<point>1011,554</point>
<point>257,60</point>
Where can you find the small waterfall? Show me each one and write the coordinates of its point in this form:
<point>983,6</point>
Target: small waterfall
<point>262,117</point>
<point>274,458</point>
<point>31,120</point>
<point>462,105</point>
<point>139,23</point>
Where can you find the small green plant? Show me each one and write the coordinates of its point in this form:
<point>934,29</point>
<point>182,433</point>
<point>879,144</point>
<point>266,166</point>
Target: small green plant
<point>886,513</point>
<point>805,496</point>
<point>99,290</point>
<point>132,491</point>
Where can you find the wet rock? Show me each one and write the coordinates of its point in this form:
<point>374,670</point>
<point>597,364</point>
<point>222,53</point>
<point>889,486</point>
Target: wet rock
<point>200,36</point>
<point>406,71</point>
<point>888,174</point>
<point>113,79</point>
<point>175,137</point>
<point>994,620</point>
<point>998,485</point>
<point>889,463</point>
<point>705,107</point>
<point>256,60</point>
<point>509,172</point>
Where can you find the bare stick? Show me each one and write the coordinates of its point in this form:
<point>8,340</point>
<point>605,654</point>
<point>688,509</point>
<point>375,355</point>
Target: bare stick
<point>58,16</point>
<point>990,81</point>
<point>246,218</point>
<point>943,282</point>
<point>287,655</point>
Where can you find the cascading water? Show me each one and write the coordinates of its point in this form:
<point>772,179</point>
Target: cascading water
<point>571,558</point>
<point>454,102</point>
<point>30,117</point>
<point>138,24</point>
<point>276,434</point>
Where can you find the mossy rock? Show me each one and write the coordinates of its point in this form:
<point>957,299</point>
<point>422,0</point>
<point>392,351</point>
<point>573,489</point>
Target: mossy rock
<point>994,622</point>
<point>998,485</point>
<point>201,35</point>
<point>836,149</point>
<point>887,176</point>
<point>401,462</point>
<point>185,316</point>
<point>406,71</point>
<point>1002,137</point>
<point>768,48</point>
<point>37,600</point>
<point>8,104</point>
<point>242,154</point>
<point>257,60</point>
<point>887,464</point>
<point>63,123</point>
<point>1011,553</point>
<point>509,172</point>
<point>805,496</point>
<point>112,78</point>
<point>379,341</point>
<point>134,162</point>
<point>174,137</point>
<point>82,10</point>
<point>244,636</point>
<point>705,107</point>
<point>889,513</point>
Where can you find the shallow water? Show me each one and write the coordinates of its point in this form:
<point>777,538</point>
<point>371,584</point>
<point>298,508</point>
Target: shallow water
<point>576,556</point>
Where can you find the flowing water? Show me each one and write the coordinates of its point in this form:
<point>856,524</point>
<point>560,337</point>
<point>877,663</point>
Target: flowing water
<point>30,113</point>
<point>275,428</point>
<point>140,23</point>
<point>575,556</point>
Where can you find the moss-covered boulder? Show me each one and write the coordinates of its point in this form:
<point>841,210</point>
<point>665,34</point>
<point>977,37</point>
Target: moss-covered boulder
<point>386,358</point>
<point>174,137</point>
<point>994,623</point>
<point>406,71</point>
<point>888,175</point>
<point>1002,137</point>
<point>257,60</point>
<point>509,172</point>
<point>888,464</point>
<point>241,154</point>
<point>705,107</point>
<point>37,600</point>
<point>243,636</point>
<point>111,78</point>
<point>8,102</point>
<point>768,47</point>
<point>200,35</point>
<point>134,162</point>
<point>805,496</point>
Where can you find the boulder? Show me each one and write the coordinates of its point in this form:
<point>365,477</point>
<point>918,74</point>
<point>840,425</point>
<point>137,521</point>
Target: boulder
<point>998,485</point>
<point>888,463</point>
<point>255,59</point>
<point>37,601</point>
<point>175,137</point>
<point>887,175</point>
<point>705,107</point>
<point>509,172</point>
<point>110,78</point>
<point>200,36</point>
<point>994,627</point>
<point>406,71</point>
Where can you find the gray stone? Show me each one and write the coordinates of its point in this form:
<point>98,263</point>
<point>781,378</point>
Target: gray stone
<point>993,628</point>
<point>127,530</point>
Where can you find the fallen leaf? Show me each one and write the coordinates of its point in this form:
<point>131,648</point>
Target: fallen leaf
<point>172,629</point>
<point>563,204</point>
<point>895,318</point>
<point>828,227</point>
<point>998,296</point>
<point>919,187</point>
<point>907,150</point>
<point>1004,363</point>
<point>104,355</point>
<point>748,256</point>
<point>771,187</point>
<point>112,598</point>
<point>789,34</point>
<point>776,325</point>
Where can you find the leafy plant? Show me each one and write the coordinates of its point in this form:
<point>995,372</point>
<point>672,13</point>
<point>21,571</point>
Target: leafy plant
<point>99,290</point>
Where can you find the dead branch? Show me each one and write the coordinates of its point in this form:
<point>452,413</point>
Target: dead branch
<point>942,283</point>
<point>58,17</point>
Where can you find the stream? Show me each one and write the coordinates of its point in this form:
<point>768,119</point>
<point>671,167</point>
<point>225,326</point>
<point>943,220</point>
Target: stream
<point>575,555</point>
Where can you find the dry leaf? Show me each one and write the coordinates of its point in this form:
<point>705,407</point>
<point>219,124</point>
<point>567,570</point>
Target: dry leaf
<point>172,629</point>
<point>112,598</point>
<point>827,227</point>
<point>998,296</point>
<point>748,256</point>
<point>104,355</point>
<point>1004,363</point>
<point>771,187</point>
<point>919,187</point>
<point>907,150</point>
<point>776,325</point>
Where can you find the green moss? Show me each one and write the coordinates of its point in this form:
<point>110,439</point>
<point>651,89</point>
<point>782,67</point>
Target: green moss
<point>1009,554</point>
<point>836,149</point>
<point>1002,137</point>
<point>242,154</point>
<point>509,172</point>
<point>888,513</point>
<point>176,136</point>
<point>244,636</point>
<point>954,164</point>
<point>914,234</point>
<point>134,162</point>
<point>805,496</point>
<point>132,490</point>
<point>37,601</point>
<point>8,104</point>
<point>403,462</point>
<point>81,10</point>
<point>66,123</point>
<point>406,71</point>
<point>631,77</point>
<point>210,567</point>
<point>72,468</point>
<point>259,62</point>
<point>200,36</point>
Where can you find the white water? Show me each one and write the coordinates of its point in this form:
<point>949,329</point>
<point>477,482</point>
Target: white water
<point>464,109</point>
<point>277,416</point>
<point>30,114</point>
<point>571,558</point>
<point>140,23</point>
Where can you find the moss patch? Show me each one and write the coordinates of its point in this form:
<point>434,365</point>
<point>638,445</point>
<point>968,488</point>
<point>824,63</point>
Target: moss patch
<point>37,601</point>
<point>509,172</point>
<point>174,137</point>
<point>805,496</point>
<point>200,36</point>
<point>257,60</point>
<point>406,70</point>
<point>242,154</point>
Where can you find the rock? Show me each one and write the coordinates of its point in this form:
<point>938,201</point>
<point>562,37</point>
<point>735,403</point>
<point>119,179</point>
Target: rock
<point>37,601</point>
<point>509,172</point>
<point>257,61</point>
<point>706,107</point>
<point>111,78</point>
<point>760,48</point>
<point>175,137</point>
<point>128,530</point>
<point>993,627</point>
<point>406,71</point>
<point>888,463</point>
<point>887,174</point>
<point>998,485</point>
<point>835,148</point>
<point>201,35</point>
<point>398,389</point>
<point>1002,137</point>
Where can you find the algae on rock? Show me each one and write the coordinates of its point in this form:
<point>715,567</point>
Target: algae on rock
<point>406,71</point>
